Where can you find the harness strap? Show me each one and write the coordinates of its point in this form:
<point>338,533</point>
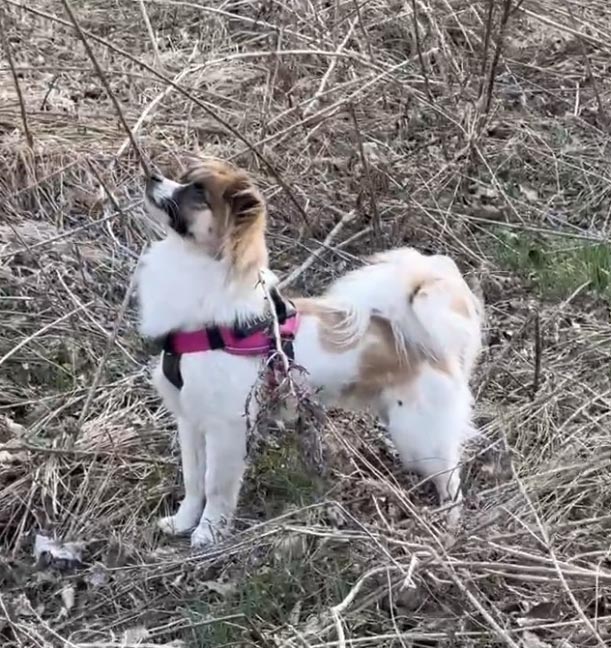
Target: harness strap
<point>215,338</point>
<point>231,340</point>
<point>170,365</point>
<point>283,309</point>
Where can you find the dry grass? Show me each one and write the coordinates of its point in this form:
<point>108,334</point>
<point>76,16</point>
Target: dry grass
<point>418,117</point>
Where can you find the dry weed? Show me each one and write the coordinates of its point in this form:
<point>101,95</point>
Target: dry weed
<point>452,125</point>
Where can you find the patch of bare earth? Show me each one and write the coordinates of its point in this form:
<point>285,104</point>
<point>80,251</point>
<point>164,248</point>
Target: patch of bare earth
<point>451,125</point>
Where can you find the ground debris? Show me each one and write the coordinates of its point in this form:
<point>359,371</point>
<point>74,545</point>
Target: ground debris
<point>61,555</point>
<point>406,117</point>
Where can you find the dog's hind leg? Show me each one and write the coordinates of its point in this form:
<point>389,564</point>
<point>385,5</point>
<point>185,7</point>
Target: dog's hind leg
<point>193,454</point>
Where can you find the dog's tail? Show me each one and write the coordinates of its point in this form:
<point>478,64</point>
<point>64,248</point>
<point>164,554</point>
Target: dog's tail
<point>424,298</point>
<point>446,314</point>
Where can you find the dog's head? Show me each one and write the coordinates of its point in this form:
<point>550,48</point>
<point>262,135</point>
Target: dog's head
<point>216,208</point>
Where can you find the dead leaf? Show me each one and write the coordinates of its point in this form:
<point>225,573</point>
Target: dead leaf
<point>544,610</point>
<point>491,212</point>
<point>488,192</point>
<point>9,429</point>
<point>133,636</point>
<point>295,613</point>
<point>371,150</point>
<point>97,577</point>
<point>53,553</point>
<point>335,515</point>
<point>530,640</point>
<point>22,606</point>
<point>220,588</point>
<point>7,457</point>
<point>68,594</point>
<point>28,231</point>
<point>530,194</point>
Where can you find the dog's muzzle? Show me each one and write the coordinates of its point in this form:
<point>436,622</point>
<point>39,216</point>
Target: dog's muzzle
<point>153,184</point>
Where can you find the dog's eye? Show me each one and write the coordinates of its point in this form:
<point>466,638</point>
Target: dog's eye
<point>200,192</point>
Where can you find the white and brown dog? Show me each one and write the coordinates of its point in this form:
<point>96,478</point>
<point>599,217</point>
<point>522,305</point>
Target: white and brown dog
<point>398,337</point>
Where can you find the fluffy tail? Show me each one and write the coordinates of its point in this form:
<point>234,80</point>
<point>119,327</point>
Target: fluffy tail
<point>447,315</point>
<point>425,299</point>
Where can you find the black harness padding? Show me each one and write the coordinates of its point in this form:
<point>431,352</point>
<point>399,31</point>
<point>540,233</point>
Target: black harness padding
<point>288,348</point>
<point>170,364</point>
<point>215,338</point>
<point>170,360</point>
<point>283,309</point>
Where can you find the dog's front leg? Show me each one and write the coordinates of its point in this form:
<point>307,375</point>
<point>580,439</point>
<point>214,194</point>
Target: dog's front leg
<point>225,456</point>
<point>193,455</point>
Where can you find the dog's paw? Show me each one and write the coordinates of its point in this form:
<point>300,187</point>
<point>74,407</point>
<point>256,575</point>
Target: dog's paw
<point>184,520</point>
<point>208,533</point>
<point>203,537</point>
<point>175,525</point>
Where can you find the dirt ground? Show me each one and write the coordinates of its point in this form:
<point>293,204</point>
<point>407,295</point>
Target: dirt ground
<point>475,128</point>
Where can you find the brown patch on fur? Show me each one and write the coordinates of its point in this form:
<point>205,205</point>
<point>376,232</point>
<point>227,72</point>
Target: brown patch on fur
<point>383,364</point>
<point>333,330</point>
<point>239,211</point>
<point>460,306</point>
<point>459,302</point>
<point>420,286</point>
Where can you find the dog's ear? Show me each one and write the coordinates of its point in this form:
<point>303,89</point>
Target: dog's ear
<point>245,242</point>
<point>244,200</point>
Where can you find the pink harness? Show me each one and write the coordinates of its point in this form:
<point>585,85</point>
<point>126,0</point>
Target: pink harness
<point>255,340</point>
<point>257,343</point>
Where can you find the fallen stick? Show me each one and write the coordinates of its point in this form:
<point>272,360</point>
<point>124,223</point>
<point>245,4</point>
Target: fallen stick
<point>297,272</point>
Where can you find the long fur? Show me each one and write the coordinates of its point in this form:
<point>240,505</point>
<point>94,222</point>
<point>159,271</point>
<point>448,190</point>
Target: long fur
<point>398,336</point>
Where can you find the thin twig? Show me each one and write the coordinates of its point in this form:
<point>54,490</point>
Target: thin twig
<point>423,69</point>
<point>40,332</point>
<point>486,49</point>
<point>340,608</point>
<point>83,37</point>
<point>538,352</point>
<point>491,622</point>
<point>376,223</point>
<point>286,365</point>
<point>317,254</point>
<point>314,102</point>
<point>497,54</point>
<point>149,109</point>
<point>93,454</point>
<point>517,6</point>
<point>548,545</point>
<point>493,367</point>
<point>185,93</point>
<point>149,29</point>
<point>586,59</point>
<point>117,210</point>
<point>9,57</point>
<point>546,20</point>
<point>52,83</point>
<point>109,345</point>
<point>339,628</point>
<point>69,233</point>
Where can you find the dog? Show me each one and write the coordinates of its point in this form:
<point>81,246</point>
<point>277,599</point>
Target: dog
<point>398,337</point>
